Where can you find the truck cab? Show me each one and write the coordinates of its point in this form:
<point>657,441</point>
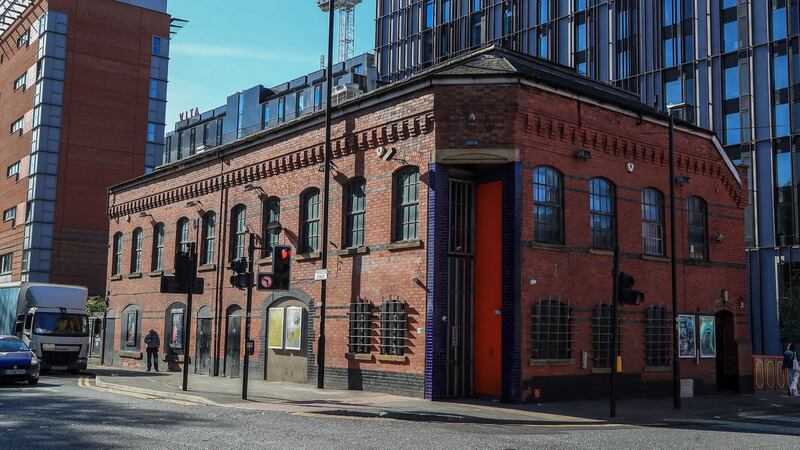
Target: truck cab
<point>53,322</point>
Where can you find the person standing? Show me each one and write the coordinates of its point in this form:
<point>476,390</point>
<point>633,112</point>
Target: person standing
<point>152,342</point>
<point>792,367</point>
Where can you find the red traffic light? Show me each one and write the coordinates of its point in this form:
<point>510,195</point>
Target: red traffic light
<point>285,253</point>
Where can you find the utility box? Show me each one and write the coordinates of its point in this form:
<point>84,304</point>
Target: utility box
<point>687,388</point>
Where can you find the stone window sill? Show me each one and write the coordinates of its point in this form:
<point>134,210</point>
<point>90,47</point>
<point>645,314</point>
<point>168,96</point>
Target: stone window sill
<point>135,275</point>
<point>352,251</point>
<point>655,258</point>
<point>392,358</point>
<point>359,356</point>
<point>551,247</point>
<point>308,256</point>
<point>156,273</point>
<point>404,245</point>
<point>551,362</point>
<point>597,251</point>
<point>130,355</point>
<point>115,277</point>
<point>207,268</point>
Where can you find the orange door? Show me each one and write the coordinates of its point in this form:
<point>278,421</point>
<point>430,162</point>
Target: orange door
<point>488,343</point>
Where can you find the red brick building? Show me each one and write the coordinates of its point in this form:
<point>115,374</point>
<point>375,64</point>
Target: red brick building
<point>82,100</point>
<point>473,210</point>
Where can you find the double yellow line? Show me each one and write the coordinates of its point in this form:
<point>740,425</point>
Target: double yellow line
<point>88,383</point>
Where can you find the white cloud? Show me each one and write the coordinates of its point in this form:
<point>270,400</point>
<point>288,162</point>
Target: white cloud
<point>236,52</point>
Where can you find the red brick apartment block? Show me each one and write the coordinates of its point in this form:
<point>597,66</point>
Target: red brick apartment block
<point>80,85</point>
<point>473,210</point>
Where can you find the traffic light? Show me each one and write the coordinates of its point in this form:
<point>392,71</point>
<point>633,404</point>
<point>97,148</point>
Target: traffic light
<point>241,279</point>
<point>627,294</point>
<point>281,267</point>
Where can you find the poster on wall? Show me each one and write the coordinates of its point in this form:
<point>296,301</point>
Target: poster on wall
<point>687,337</point>
<point>294,327</point>
<point>130,339</point>
<point>275,332</point>
<point>176,333</point>
<point>708,343</point>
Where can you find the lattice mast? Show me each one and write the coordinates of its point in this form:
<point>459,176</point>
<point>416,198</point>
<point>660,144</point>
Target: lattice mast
<point>347,25</point>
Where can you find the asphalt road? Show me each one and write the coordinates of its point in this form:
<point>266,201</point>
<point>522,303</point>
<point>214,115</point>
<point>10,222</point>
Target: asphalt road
<point>62,413</point>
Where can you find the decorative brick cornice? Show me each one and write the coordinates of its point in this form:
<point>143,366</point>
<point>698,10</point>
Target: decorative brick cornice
<point>389,133</point>
<point>632,150</point>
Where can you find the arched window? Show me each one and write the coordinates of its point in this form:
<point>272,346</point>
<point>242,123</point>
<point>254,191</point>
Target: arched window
<point>309,220</point>
<point>547,207</point>
<point>355,213</point>
<point>158,247</point>
<point>652,222</point>
<point>182,235</point>
<point>136,250</point>
<point>209,236</point>
<point>116,263</point>
<point>601,208</point>
<point>657,337</point>
<point>272,213</point>
<point>406,207</point>
<point>238,231</point>
<point>551,330</point>
<point>601,337</point>
<point>698,228</point>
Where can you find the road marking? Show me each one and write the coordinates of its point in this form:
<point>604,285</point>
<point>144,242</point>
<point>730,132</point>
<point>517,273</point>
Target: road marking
<point>178,402</point>
<point>88,383</point>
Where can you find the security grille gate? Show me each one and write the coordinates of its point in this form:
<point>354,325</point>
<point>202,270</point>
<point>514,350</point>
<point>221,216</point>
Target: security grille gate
<point>461,265</point>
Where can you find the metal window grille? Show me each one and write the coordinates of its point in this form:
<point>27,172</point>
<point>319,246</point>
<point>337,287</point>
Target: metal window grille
<point>407,204</point>
<point>355,213</point>
<point>209,236</point>
<point>547,212</point>
<point>136,265</point>
<point>393,327</point>
<point>657,337</point>
<point>551,330</point>
<point>239,234</point>
<point>360,326</point>
<point>601,336</point>
<point>310,210</point>
<point>601,206</point>
<point>272,213</point>
<point>117,266</point>
<point>698,231</point>
<point>183,234</point>
<point>462,217</point>
<point>158,246</point>
<point>653,222</point>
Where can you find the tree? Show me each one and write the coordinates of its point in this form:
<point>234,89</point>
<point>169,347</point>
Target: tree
<point>96,304</point>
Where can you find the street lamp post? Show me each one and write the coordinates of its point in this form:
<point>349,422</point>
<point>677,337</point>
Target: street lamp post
<point>325,206</point>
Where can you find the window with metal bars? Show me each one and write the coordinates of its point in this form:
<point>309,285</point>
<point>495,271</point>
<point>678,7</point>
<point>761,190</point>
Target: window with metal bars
<point>393,328</point>
<point>601,336</point>
<point>657,337</point>
<point>547,207</point>
<point>652,222</point>
<point>360,326</point>
<point>698,229</point>
<point>355,213</point>
<point>406,204</point>
<point>551,330</point>
<point>601,207</point>
<point>310,221</point>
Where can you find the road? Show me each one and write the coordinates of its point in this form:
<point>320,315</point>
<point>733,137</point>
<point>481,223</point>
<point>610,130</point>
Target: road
<point>69,412</point>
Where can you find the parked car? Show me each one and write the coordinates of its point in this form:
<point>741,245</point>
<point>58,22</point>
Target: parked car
<point>17,361</point>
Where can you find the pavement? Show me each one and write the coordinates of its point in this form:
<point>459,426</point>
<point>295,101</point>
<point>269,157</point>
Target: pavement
<point>306,399</point>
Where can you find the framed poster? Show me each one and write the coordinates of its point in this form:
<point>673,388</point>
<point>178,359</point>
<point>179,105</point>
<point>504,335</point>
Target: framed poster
<point>176,330</point>
<point>130,330</point>
<point>687,337</point>
<point>275,332</point>
<point>294,328</point>
<point>708,343</point>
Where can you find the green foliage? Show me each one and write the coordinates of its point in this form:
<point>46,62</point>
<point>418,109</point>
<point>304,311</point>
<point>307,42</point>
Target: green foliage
<point>95,304</point>
<point>790,315</point>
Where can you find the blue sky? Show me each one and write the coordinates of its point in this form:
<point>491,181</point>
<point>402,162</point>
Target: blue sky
<point>231,45</point>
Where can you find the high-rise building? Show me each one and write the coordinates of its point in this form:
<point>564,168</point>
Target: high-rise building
<point>733,66</point>
<point>83,95</point>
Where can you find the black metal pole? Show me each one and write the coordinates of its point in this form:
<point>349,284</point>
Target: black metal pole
<point>103,340</point>
<point>676,364</point>
<point>325,205</point>
<point>612,396</point>
<point>251,250</point>
<point>187,316</point>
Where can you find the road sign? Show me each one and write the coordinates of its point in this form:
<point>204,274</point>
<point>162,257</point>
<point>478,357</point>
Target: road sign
<point>265,281</point>
<point>321,274</point>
